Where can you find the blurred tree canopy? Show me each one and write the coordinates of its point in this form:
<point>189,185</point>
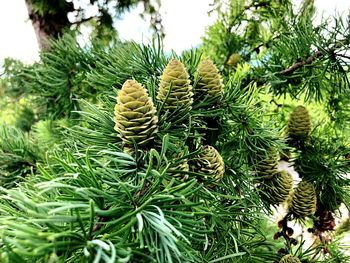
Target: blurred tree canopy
<point>51,19</point>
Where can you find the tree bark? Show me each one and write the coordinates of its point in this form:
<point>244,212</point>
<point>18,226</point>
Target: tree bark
<point>48,25</point>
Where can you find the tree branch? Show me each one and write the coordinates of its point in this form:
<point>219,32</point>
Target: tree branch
<point>313,57</point>
<point>301,64</point>
<point>83,20</point>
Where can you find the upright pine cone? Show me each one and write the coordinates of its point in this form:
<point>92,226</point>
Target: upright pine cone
<point>303,201</point>
<point>181,166</point>
<point>174,87</point>
<point>135,115</point>
<point>278,188</point>
<point>299,125</point>
<point>210,163</point>
<point>267,164</point>
<point>209,81</point>
<point>234,59</point>
<point>289,259</point>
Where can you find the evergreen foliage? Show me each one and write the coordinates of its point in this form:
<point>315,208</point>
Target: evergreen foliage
<point>136,155</point>
<point>286,49</point>
<point>18,156</point>
<point>94,197</point>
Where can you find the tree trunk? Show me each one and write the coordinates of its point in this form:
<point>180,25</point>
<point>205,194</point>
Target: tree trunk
<point>48,25</point>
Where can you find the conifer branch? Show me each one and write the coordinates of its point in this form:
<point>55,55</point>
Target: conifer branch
<point>301,64</point>
<point>83,20</point>
<point>313,57</point>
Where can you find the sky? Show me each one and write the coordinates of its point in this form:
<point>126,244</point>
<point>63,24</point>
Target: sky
<point>184,21</point>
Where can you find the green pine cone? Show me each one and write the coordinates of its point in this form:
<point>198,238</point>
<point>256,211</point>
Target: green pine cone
<point>209,81</point>
<point>303,201</point>
<point>277,189</point>
<point>135,115</point>
<point>299,125</point>
<point>175,90</point>
<point>234,59</point>
<point>267,164</point>
<point>289,259</point>
<point>181,166</point>
<point>210,163</point>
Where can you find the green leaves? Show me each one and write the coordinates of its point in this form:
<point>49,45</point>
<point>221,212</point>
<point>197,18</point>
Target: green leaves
<point>56,81</point>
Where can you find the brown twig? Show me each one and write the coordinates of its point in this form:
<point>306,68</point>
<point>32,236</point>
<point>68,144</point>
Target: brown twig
<point>314,56</point>
<point>286,232</point>
<point>83,20</point>
<point>301,64</point>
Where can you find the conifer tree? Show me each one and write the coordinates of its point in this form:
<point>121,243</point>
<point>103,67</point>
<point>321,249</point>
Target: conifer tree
<point>51,19</point>
<point>136,155</point>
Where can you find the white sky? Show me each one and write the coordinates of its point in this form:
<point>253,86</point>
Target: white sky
<point>184,22</point>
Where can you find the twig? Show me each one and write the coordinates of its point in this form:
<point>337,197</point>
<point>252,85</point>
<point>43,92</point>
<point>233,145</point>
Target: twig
<point>275,102</point>
<point>301,64</point>
<point>313,57</point>
<point>286,232</point>
<point>84,20</point>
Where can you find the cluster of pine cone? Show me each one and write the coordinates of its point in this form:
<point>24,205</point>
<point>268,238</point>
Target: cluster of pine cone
<point>277,185</point>
<point>136,120</point>
<point>304,199</point>
<point>299,128</point>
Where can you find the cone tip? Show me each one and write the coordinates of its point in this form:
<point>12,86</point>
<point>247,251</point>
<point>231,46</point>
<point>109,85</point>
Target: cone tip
<point>130,83</point>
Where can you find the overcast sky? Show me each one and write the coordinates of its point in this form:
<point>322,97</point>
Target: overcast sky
<point>183,26</point>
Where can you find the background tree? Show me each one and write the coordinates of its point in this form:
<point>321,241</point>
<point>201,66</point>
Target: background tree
<point>51,19</point>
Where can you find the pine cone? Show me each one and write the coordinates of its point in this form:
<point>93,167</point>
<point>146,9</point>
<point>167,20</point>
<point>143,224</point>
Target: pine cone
<point>267,164</point>
<point>289,259</point>
<point>210,163</point>
<point>135,115</point>
<point>176,78</point>
<point>299,125</point>
<point>325,221</point>
<point>181,166</point>
<point>303,201</point>
<point>209,81</point>
<point>278,188</point>
<point>234,59</point>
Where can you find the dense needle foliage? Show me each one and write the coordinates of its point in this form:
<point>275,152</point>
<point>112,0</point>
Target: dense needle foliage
<point>135,155</point>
